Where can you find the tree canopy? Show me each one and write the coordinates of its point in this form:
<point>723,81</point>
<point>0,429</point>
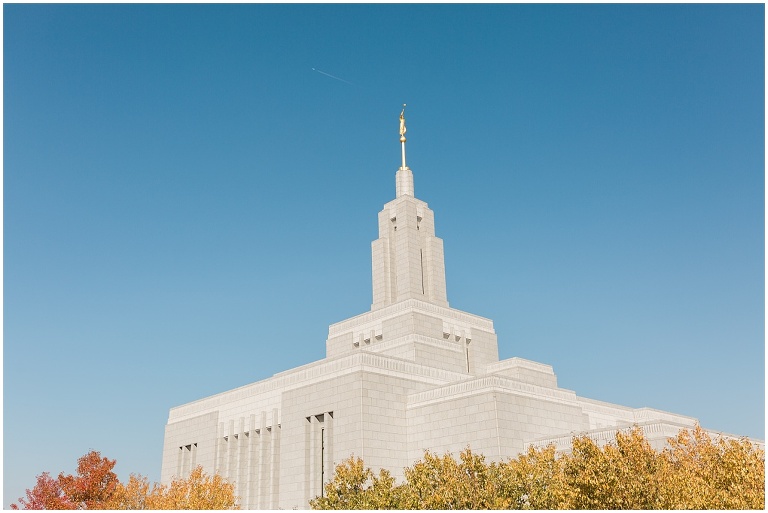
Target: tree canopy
<point>96,487</point>
<point>692,472</point>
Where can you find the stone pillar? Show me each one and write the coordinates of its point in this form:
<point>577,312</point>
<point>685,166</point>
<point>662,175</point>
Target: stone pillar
<point>307,459</point>
<point>231,454</point>
<point>275,461</point>
<point>221,450</point>
<point>253,462</point>
<point>242,462</point>
<point>328,456</point>
<point>264,463</point>
<point>180,462</point>
<point>313,454</point>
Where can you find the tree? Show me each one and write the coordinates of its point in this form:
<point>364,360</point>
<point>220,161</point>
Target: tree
<point>695,471</point>
<point>96,487</point>
<point>356,487</point>
<point>626,475</point>
<point>534,480</point>
<point>132,495</point>
<point>714,474</point>
<point>46,494</point>
<point>441,482</point>
<point>198,491</point>
<point>94,484</point>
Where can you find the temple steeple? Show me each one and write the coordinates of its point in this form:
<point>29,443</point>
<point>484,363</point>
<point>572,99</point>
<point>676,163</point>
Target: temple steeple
<point>407,258</point>
<point>402,133</point>
<point>404,176</point>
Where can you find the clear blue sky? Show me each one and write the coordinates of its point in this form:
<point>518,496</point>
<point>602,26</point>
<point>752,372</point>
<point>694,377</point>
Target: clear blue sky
<point>188,205</point>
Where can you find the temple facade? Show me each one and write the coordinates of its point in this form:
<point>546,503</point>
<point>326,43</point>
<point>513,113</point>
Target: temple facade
<point>408,375</point>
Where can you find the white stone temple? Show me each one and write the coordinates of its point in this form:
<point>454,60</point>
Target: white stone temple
<point>408,375</point>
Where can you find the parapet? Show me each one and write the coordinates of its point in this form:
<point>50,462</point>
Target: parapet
<point>523,370</point>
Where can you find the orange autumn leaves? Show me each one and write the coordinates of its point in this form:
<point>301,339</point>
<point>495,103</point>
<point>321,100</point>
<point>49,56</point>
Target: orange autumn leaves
<point>96,487</point>
<point>693,472</point>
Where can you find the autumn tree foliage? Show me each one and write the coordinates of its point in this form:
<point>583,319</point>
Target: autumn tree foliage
<point>96,487</point>
<point>131,495</point>
<point>356,487</point>
<point>441,482</point>
<point>46,494</point>
<point>715,474</point>
<point>198,491</point>
<point>95,483</point>
<point>626,475</point>
<point>534,480</point>
<point>91,488</point>
<point>693,472</point>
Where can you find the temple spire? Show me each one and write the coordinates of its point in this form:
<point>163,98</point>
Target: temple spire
<point>404,176</point>
<point>402,134</point>
<point>407,257</point>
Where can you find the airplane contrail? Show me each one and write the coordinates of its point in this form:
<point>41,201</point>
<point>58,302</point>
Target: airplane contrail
<point>329,75</point>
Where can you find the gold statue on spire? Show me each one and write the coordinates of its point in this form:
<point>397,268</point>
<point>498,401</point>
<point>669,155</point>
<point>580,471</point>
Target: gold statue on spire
<point>402,125</point>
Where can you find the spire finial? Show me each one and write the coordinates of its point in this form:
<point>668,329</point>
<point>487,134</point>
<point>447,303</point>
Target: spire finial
<point>404,176</point>
<point>402,133</point>
<point>402,125</point>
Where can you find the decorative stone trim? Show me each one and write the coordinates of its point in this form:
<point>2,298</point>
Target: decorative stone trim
<point>391,311</point>
<point>601,436</point>
<point>490,383</point>
<point>419,339</point>
<point>319,371</point>
<point>518,363</point>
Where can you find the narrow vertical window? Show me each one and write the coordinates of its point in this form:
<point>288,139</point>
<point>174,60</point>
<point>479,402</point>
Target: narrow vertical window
<point>322,462</point>
<point>467,353</point>
<point>421,254</point>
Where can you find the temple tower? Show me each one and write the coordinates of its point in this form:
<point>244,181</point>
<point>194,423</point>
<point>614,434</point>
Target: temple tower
<point>407,258</point>
<point>410,317</point>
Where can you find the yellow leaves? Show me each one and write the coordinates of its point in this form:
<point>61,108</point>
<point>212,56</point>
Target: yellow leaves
<point>532,481</point>
<point>720,473</point>
<point>356,487</point>
<point>624,475</point>
<point>694,472</point>
<point>198,491</point>
<point>132,495</point>
<point>440,482</point>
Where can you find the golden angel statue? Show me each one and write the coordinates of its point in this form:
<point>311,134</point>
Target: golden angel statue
<point>402,121</point>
